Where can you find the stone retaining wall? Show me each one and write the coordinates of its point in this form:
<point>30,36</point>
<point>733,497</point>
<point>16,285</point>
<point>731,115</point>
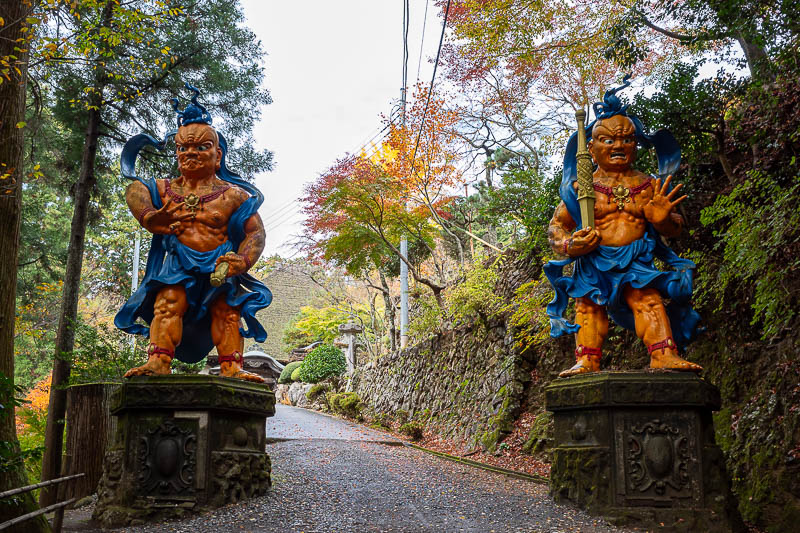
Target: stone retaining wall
<point>465,383</point>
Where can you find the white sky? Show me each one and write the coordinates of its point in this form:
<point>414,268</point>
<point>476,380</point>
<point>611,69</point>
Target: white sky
<point>332,68</point>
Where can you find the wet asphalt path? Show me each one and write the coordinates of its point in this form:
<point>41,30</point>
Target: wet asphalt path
<point>291,423</point>
<point>334,476</point>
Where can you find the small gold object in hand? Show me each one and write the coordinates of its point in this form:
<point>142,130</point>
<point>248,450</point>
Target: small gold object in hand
<point>221,272</point>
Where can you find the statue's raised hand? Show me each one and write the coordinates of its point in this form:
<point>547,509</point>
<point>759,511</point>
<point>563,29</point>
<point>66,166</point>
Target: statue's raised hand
<point>658,209</point>
<point>583,241</point>
<point>166,220</point>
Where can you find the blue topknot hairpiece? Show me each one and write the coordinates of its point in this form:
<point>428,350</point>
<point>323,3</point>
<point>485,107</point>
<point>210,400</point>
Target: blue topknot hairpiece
<point>611,104</point>
<point>194,113</point>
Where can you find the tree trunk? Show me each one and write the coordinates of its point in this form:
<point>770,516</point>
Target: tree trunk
<point>65,336</point>
<point>719,137</point>
<point>390,312</point>
<point>757,59</point>
<point>12,112</point>
<point>90,427</point>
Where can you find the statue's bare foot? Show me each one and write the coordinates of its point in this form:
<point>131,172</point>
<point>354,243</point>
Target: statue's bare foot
<point>157,364</point>
<point>234,370</point>
<point>583,366</point>
<point>671,361</point>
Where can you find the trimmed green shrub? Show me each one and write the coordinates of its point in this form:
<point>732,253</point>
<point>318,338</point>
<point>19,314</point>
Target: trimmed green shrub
<point>296,374</point>
<point>286,373</point>
<point>323,362</point>
<point>412,429</point>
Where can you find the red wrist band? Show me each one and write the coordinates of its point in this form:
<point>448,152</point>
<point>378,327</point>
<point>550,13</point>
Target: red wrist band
<point>141,215</point>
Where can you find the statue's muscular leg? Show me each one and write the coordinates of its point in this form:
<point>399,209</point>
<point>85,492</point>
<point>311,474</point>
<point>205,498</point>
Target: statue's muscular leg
<point>652,326</point>
<point>166,330</point>
<point>593,320</point>
<point>228,340</point>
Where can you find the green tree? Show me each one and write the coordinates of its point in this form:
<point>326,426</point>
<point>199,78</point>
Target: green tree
<point>15,29</point>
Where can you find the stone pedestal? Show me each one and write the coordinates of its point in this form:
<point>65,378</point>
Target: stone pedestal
<point>638,448</point>
<point>184,444</point>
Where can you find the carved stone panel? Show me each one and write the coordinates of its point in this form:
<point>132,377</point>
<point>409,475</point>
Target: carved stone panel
<point>658,458</point>
<point>166,460</point>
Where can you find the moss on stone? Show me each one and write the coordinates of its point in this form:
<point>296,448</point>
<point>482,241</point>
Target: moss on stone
<point>347,403</point>
<point>540,437</point>
<point>316,390</point>
<point>490,439</point>
<point>412,429</point>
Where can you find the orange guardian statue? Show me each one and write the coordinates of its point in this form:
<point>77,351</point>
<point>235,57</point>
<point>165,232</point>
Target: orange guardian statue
<point>206,235</point>
<point>618,236</point>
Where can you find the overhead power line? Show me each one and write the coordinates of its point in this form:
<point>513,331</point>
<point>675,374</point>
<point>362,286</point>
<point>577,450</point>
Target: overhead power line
<point>291,207</point>
<point>430,90</point>
<point>422,43</point>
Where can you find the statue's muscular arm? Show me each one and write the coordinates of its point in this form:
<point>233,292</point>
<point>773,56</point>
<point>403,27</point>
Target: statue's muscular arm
<point>563,241</point>
<point>138,198</point>
<point>253,243</point>
<point>251,246</point>
<point>560,229</point>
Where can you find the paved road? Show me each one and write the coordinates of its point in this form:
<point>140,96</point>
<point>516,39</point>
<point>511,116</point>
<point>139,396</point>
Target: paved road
<point>334,476</point>
<point>295,423</point>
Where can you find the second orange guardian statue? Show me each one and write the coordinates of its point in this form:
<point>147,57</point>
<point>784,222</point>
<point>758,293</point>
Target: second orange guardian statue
<point>205,217</point>
<point>614,274</point>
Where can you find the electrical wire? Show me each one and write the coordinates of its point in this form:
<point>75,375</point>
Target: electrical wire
<point>406,24</point>
<point>430,90</point>
<point>275,215</point>
<point>422,44</point>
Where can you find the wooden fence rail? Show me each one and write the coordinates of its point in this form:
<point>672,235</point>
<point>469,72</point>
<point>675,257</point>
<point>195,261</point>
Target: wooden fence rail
<point>58,507</point>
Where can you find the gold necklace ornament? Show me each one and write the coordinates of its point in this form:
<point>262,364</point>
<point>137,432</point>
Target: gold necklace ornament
<point>192,204</point>
<point>622,195</point>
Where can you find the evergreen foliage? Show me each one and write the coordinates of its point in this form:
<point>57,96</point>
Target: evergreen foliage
<point>324,361</point>
<point>288,371</point>
<point>295,376</point>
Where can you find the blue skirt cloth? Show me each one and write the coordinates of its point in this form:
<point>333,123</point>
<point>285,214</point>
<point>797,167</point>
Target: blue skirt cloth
<point>191,269</point>
<point>602,274</point>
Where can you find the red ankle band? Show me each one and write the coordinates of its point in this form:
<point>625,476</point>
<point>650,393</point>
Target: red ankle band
<point>153,349</point>
<point>666,343</point>
<point>235,357</point>
<point>582,350</point>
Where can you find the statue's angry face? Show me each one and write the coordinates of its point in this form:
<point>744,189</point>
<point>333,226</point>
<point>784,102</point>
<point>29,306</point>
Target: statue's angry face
<point>197,147</point>
<point>613,144</point>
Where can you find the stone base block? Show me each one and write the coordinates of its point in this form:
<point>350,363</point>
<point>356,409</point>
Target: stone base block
<point>638,448</point>
<point>184,444</point>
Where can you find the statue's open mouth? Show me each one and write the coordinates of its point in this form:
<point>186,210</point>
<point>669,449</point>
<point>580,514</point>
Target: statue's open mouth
<point>618,155</point>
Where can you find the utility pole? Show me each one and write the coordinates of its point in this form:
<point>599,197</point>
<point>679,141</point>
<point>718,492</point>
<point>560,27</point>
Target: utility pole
<point>137,243</point>
<point>469,221</point>
<point>135,275</point>
<point>403,239</point>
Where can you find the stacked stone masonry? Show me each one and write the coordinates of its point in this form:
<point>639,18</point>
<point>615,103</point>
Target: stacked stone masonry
<point>465,383</point>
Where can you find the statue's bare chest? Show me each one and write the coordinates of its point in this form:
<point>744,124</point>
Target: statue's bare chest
<point>626,197</point>
<point>212,209</point>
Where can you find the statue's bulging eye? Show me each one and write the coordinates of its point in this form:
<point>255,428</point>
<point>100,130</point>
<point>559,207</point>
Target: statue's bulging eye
<point>181,148</point>
<point>608,141</point>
